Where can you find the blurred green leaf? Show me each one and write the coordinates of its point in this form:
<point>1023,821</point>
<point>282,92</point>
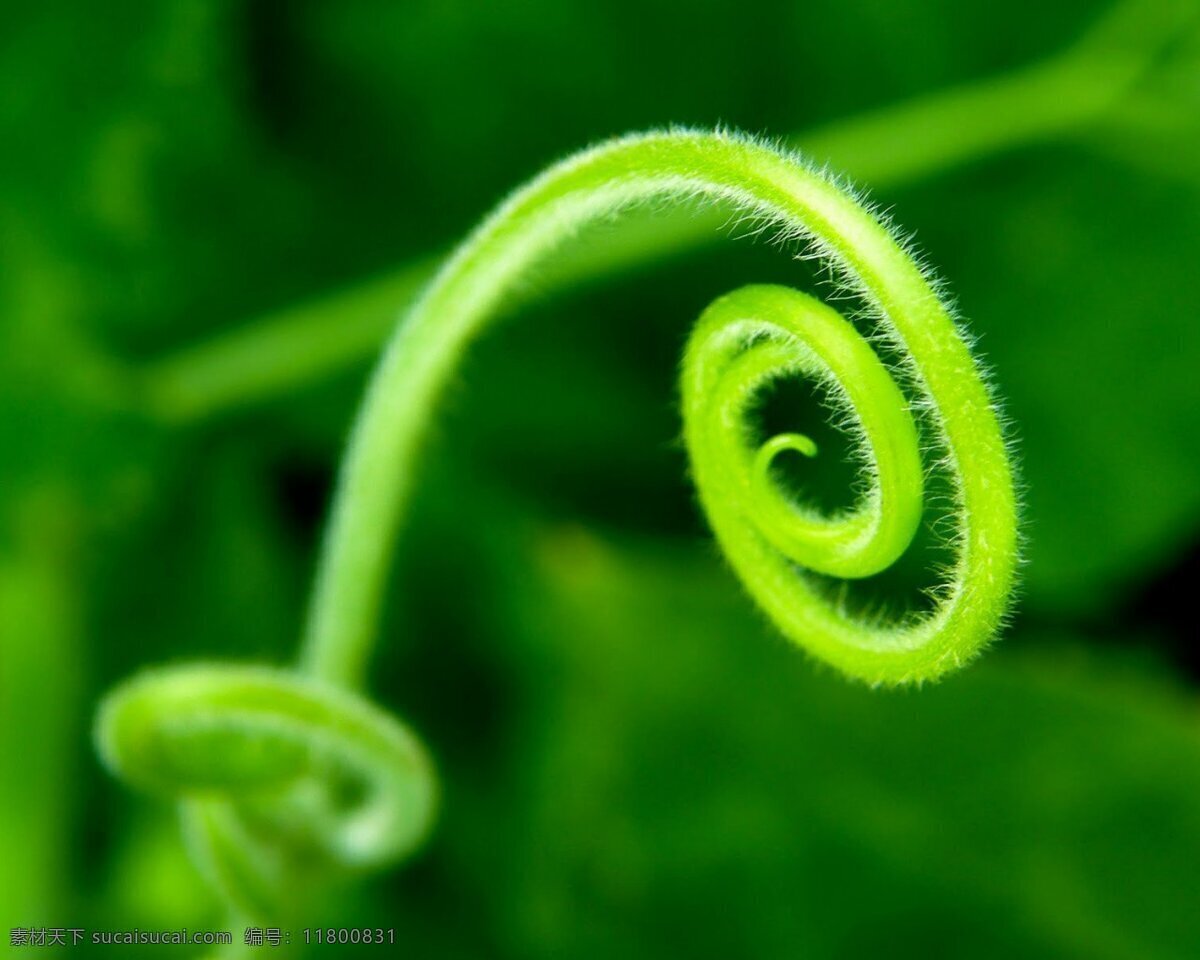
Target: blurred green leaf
<point>688,783</point>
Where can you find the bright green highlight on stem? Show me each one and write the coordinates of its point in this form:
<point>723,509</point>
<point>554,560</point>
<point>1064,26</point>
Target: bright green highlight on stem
<point>777,189</point>
<point>288,776</point>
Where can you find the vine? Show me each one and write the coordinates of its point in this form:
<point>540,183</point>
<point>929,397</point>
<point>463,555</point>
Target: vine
<point>287,774</point>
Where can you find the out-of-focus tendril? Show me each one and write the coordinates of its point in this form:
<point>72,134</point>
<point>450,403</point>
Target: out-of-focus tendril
<point>283,779</point>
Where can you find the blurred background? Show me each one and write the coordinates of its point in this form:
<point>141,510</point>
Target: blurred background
<point>211,212</point>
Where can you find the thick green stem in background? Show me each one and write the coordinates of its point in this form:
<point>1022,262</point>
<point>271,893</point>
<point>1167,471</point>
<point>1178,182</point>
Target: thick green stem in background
<point>1074,91</point>
<point>40,636</point>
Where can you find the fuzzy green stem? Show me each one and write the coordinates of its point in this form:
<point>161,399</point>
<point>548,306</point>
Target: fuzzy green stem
<point>778,190</point>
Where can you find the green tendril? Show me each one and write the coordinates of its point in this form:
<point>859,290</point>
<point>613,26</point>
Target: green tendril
<point>789,333</point>
<point>280,768</point>
<point>756,335</point>
<point>284,779</point>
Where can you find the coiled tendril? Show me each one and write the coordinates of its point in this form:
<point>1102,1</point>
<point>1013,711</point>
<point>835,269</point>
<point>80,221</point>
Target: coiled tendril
<point>284,779</point>
<point>288,772</point>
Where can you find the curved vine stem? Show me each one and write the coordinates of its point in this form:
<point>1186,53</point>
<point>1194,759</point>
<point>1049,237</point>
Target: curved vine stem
<point>286,775</point>
<point>776,188</point>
